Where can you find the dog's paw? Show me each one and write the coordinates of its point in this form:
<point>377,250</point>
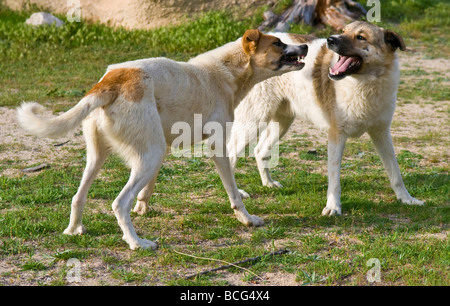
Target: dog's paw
<point>248,220</point>
<point>243,194</point>
<point>274,184</point>
<point>75,230</point>
<point>412,201</point>
<point>142,244</point>
<point>331,211</point>
<point>256,221</point>
<point>141,208</point>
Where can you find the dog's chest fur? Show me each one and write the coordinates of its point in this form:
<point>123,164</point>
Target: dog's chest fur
<point>361,105</point>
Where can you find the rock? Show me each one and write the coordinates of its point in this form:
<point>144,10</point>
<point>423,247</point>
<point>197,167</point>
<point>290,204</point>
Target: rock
<point>42,18</point>
<point>136,14</point>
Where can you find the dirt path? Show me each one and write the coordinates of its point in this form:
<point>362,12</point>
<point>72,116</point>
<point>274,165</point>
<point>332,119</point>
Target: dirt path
<point>21,150</point>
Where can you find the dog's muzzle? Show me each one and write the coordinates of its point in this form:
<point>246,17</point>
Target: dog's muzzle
<point>294,56</point>
<point>347,64</point>
<point>332,42</point>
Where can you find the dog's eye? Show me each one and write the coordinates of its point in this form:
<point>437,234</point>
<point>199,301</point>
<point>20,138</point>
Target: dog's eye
<point>278,44</point>
<point>359,37</point>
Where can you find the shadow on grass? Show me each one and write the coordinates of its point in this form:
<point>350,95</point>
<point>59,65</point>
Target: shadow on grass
<point>369,202</point>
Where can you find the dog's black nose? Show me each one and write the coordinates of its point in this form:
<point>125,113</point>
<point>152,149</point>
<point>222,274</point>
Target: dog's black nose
<point>331,41</point>
<point>304,48</point>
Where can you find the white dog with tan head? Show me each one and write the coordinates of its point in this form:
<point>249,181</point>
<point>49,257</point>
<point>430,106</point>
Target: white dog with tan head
<point>348,87</point>
<point>132,109</point>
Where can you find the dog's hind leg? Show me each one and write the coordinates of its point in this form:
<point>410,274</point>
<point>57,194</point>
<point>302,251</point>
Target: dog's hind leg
<point>268,139</point>
<point>143,198</point>
<point>143,170</point>
<point>382,141</point>
<point>139,138</point>
<point>96,153</point>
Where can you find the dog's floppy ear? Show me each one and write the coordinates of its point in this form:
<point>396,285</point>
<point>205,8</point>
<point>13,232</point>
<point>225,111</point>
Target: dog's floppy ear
<point>394,40</point>
<point>250,41</point>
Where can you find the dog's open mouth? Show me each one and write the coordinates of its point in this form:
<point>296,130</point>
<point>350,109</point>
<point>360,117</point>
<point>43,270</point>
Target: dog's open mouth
<point>344,66</point>
<point>294,60</point>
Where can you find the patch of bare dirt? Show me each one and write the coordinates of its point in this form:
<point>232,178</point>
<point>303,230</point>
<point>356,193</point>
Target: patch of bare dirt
<point>444,235</point>
<point>22,150</point>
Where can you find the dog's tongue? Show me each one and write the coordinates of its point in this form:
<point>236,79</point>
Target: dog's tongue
<point>342,65</point>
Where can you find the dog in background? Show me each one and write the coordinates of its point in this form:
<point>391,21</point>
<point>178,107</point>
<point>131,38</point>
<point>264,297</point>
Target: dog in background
<point>348,87</point>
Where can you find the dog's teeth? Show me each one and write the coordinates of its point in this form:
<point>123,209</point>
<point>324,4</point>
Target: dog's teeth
<point>333,73</point>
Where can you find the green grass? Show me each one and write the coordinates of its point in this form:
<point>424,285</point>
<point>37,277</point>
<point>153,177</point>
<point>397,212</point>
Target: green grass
<point>190,208</point>
<point>80,52</point>
<point>423,23</point>
<point>194,217</point>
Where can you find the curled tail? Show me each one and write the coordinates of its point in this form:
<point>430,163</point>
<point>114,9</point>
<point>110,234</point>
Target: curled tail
<point>27,115</point>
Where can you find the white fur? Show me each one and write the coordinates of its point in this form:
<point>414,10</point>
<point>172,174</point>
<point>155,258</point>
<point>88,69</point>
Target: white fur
<point>211,84</point>
<point>364,103</point>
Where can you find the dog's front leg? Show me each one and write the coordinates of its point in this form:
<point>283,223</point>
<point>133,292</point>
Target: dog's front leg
<point>269,137</point>
<point>336,147</point>
<point>382,141</point>
<point>226,175</point>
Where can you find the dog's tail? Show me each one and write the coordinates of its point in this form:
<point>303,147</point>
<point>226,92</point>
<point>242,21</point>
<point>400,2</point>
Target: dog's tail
<point>126,82</point>
<point>27,115</point>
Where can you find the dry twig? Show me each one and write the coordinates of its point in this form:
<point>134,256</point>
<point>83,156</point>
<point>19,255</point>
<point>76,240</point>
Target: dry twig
<point>229,265</point>
<point>35,169</point>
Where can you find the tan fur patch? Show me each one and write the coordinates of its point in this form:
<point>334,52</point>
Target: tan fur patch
<point>127,82</point>
<point>324,88</point>
<point>267,54</point>
<point>250,41</point>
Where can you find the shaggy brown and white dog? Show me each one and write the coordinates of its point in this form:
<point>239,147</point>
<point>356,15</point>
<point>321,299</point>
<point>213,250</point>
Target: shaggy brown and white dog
<point>348,87</point>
